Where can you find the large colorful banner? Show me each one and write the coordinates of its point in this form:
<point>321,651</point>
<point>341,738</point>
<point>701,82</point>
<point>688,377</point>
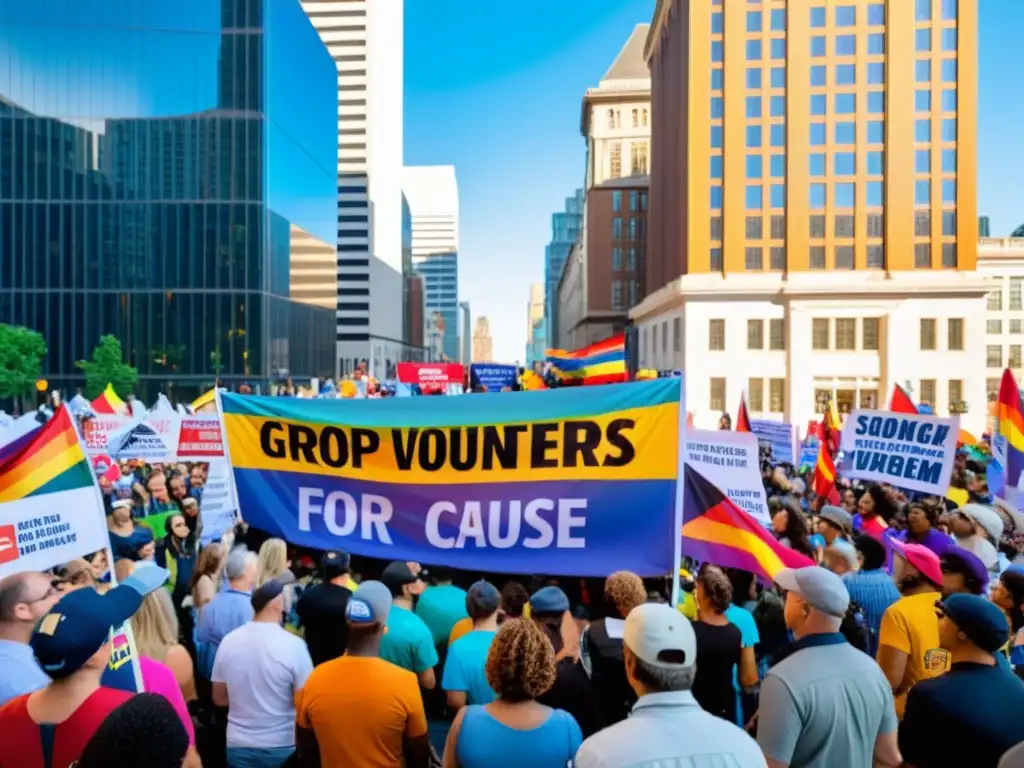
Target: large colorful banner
<point>575,482</point>
<point>911,451</point>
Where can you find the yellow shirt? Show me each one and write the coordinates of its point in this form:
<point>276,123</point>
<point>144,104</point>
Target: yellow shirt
<point>911,625</point>
<point>688,606</point>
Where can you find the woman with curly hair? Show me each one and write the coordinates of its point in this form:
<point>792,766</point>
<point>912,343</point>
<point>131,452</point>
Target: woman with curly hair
<point>514,730</point>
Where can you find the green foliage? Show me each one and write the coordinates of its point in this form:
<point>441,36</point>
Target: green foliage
<point>21,360</point>
<point>108,367</point>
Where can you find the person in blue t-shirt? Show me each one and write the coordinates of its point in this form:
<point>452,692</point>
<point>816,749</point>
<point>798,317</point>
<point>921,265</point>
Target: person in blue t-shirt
<point>465,676</point>
<point>442,605</point>
<point>407,642</point>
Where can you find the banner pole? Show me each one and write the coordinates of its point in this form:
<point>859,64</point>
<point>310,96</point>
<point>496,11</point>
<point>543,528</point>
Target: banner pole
<point>232,491</point>
<point>677,525</point>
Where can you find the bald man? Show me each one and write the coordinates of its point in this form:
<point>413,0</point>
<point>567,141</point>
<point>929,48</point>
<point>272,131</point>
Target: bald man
<point>24,599</point>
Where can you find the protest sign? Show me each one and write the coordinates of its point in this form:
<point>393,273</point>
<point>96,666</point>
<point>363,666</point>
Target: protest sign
<point>217,510</point>
<point>200,438</point>
<point>151,440</point>
<point>731,462</point>
<point>779,436</point>
<point>576,482</point>
<point>911,451</point>
<point>494,377</point>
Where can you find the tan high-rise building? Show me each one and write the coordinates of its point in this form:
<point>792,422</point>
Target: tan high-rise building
<point>534,308</point>
<point>313,275</point>
<point>483,346</point>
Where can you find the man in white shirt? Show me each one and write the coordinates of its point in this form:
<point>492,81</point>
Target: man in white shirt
<point>258,669</point>
<point>667,726</point>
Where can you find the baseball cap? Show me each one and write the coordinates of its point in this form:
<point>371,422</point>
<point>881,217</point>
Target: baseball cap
<point>822,589</point>
<point>334,563</point>
<point>983,622</point>
<point>549,600</point>
<point>79,623</point>
<point>653,629</point>
<point>846,550</point>
<point>959,559</point>
<point>369,604</point>
<point>482,600</point>
<point>397,574</point>
<point>923,559</point>
<point>266,592</point>
<point>837,516</point>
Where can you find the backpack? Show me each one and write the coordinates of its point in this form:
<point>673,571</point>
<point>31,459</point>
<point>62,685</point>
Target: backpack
<point>856,630</point>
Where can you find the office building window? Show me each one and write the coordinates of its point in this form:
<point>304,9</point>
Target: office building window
<point>875,194</point>
<point>717,23</point>
<point>616,259</point>
<point>632,229</point>
<point>844,225</point>
<point>716,227</point>
<point>777,258</point>
<point>949,161</point>
<point>777,334</point>
<point>1015,293</point>
<point>717,51</point>
<point>754,167</point>
<point>819,76</point>
<point>716,335</point>
<point>818,46</point>
<point>643,201</point>
<point>754,259</point>
<point>664,336</point>
<point>754,227</point>
<point>923,40</point>
<point>753,50</point>
<point>922,224</point>
<point>716,197</point>
<point>846,334</point>
<point>949,223</point>
<point>616,201</point>
<point>949,129</point>
<point>844,163</point>
<point>876,225</point>
<point>923,159</point>
<point>615,156</point>
<point>956,393</point>
<point>633,201</point>
<point>923,71</point>
<point>949,255</point>
<point>821,334</point>
<point>643,117</point>
<point>631,260</point>
<point>949,9</point>
<point>995,300</point>
<point>778,227</point>
<point>844,196</point>
<point>755,197</point>
<point>955,330</point>
<point>617,294</point>
<point>717,107</point>
<point>778,166</point>
<point>922,192</point>
<point>846,45</point>
<point>778,77</point>
<point>876,44</point>
<point>994,327</point>
<point>949,100</point>
<point>777,395</point>
<point>636,118</point>
<point>1014,358</point>
<point>817,257</point>
<point>949,70</point>
<point>927,389</point>
<point>717,395</point>
<point>817,164</point>
<point>922,255</point>
<point>777,105</point>
<point>616,228</point>
<point>676,341</point>
<point>846,74</point>
<point>755,334</point>
<point>754,78</point>
<point>632,293</point>
<point>778,20</point>
<point>923,10</point>
<point>778,134</point>
<point>928,341</point>
<point>817,226</point>
<point>846,133</point>
<point>638,157</point>
<point>876,102</point>
<point>753,136</point>
<point>876,15</point>
<point>845,103</point>
<point>716,137</point>
<point>870,331</point>
<point>876,132</point>
<point>844,257</point>
<point>817,18</point>
<point>949,39</point>
<point>818,195</point>
<point>755,395</point>
<point>922,100</point>
<point>846,16</point>
<point>992,388</point>
<point>948,191</point>
<point>876,256</point>
<point>716,260</point>
<point>778,49</point>
<point>923,130</point>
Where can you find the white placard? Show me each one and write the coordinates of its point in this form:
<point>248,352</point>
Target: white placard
<point>731,461</point>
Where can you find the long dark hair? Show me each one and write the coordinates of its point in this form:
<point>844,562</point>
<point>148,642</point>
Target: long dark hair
<point>1013,582</point>
<point>796,532</point>
<point>884,508</point>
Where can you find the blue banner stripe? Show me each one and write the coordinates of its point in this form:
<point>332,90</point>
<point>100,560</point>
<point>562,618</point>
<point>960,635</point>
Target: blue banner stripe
<point>621,525</point>
<point>579,363</point>
<point>515,407</point>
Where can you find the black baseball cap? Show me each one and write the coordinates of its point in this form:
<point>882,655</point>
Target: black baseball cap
<point>397,574</point>
<point>482,600</point>
<point>263,594</point>
<point>334,563</point>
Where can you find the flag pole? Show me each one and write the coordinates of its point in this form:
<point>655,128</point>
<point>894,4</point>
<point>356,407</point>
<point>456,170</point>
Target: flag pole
<point>677,532</point>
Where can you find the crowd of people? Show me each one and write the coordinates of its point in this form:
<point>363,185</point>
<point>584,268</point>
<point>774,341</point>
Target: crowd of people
<point>903,646</point>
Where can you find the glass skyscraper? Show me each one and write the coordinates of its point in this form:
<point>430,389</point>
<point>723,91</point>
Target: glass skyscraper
<point>565,229</point>
<point>153,157</point>
<point>440,274</point>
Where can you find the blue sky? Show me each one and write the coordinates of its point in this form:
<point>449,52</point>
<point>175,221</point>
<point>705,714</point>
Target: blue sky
<point>497,94</point>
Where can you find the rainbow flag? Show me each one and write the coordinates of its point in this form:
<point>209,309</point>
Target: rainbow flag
<point>717,531</point>
<point>108,404</point>
<point>601,363</point>
<point>1010,426</point>
<point>50,511</point>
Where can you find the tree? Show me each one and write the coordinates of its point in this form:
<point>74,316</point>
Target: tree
<point>108,367</point>
<point>21,360</point>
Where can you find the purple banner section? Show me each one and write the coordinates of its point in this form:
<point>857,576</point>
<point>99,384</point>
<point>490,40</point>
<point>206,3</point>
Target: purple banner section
<point>585,528</point>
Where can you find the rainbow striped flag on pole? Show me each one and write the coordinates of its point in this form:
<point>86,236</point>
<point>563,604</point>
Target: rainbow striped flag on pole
<point>601,363</point>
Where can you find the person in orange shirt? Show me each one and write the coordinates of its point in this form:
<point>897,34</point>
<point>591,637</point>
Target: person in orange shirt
<point>359,711</point>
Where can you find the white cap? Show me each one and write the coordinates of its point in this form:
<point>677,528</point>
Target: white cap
<point>653,628</point>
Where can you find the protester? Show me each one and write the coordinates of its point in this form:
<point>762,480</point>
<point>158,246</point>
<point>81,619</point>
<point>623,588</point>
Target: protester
<point>824,704</point>
<point>177,553</point>
<point>740,613</point>
<point>441,605</point>
<point>962,571</point>
<point>923,528</point>
<point>24,599</point>
<point>359,710</point>
<point>72,645</point>
<point>834,523</point>
<point>1008,594</point>
<point>719,647</point>
<point>515,601</point>
<point>205,582</point>
<point>874,510</point>
<point>601,646</point>
<point>515,730</point>
<point>908,640</point>
<point>408,642</point>
<point>871,587</point>
<point>976,706</point>
<point>259,668</point>
<point>977,528</point>
<point>321,609</point>
<point>572,689</point>
<point>465,677</point>
<point>143,731</point>
<point>667,725</point>
<point>274,564</point>
<point>229,609</point>
<point>125,535</point>
<point>156,637</point>
<point>841,557</point>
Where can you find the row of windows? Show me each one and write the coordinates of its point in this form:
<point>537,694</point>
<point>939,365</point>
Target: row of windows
<point>923,130</point>
<point>637,156</point>
<point>923,10</point>
<point>995,326</point>
<point>995,298</point>
<point>923,100</point>
<point>637,229</point>
<point>631,259</point>
<point>923,255</point>
<point>617,297</point>
<point>845,163</point>
<point>994,356</point>
<point>954,334</point>
<point>923,70</point>
<point>843,226</point>
<point>846,16</point>
<point>846,45</point>
<point>843,194</point>
<point>843,103</point>
<point>615,118</point>
<point>653,348</point>
<point>637,201</point>
<point>928,387</point>
<point>923,161</point>
<point>775,341</point>
<point>840,334</point>
<point>755,21</point>
<point>923,192</point>
<point>845,133</point>
<point>923,39</point>
<point>755,134</point>
<point>755,395</point>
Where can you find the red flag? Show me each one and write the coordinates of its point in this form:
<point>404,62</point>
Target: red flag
<point>742,417</point>
<point>900,401</point>
<point>825,475</point>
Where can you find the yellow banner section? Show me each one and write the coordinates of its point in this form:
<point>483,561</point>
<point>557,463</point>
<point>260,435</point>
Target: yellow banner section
<point>633,444</point>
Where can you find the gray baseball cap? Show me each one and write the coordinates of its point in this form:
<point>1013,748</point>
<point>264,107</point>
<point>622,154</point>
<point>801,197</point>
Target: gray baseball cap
<point>837,515</point>
<point>369,604</point>
<point>822,589</point>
